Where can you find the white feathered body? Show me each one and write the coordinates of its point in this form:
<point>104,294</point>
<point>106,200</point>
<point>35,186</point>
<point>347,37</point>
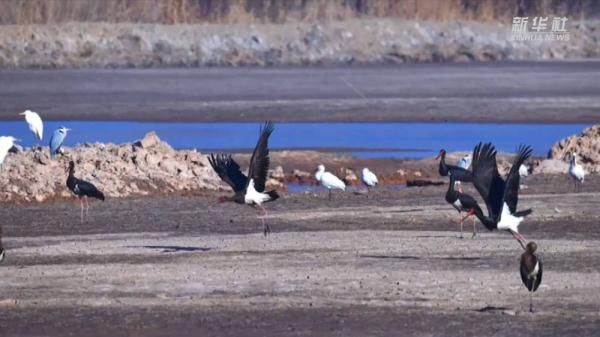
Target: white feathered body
<point>509,221</point>
<point>369,178</point>
<point>523,170</point>
<point>253,197</point>
<point>6,143</point>
<point>36,126</point>
<point>328,180</point>
<point>576,171</point>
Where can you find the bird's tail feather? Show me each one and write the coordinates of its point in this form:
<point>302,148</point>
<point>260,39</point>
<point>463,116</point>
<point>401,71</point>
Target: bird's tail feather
<point>523,213</point>
<point>273,195</point>
<point>98,195</point>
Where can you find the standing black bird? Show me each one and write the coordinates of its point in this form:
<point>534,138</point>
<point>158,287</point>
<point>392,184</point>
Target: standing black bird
<point>500,196</point>
<point>82,189</point>
<point>248,190</point>
<point>531,270</point>
<point>463,202</point>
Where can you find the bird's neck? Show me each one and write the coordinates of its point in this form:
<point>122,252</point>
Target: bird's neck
<point>451,189</point>
<point>488,222</point>
<point>443,160</point>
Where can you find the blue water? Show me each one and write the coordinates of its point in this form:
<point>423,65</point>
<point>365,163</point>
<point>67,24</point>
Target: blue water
<point>360,139</point>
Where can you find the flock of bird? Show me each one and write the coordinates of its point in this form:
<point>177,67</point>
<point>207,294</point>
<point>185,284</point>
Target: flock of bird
<point>80,188</point>
<point>499,194</point>
<point>36,126</point>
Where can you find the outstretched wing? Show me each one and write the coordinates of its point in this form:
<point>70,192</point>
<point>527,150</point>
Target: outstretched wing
<point>259,163</point>
<point>229,171</point>
<point>511,190</point>
<point>486,179</point>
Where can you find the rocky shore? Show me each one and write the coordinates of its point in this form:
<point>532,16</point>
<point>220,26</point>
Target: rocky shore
<point>77,45</point>
<point>144,167</point>
<point>586,145</point>
<point>151,166</point>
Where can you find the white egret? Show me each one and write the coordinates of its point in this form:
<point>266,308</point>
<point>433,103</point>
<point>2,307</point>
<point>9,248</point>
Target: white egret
<point>328,180</point>
<point>576,171</point>
<point>369,178</point>
<point>6,143</point>
<point>34,121</point>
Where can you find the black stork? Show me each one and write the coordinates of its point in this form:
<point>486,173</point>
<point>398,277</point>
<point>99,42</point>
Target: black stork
<point>82,189</point>
<point>531,271</point>
<point>500,196</point>
<point>248,190</point>
<point>459,173</point>
<point>463,202</point>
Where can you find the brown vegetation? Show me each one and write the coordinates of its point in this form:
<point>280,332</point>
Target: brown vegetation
<point>279,11</point>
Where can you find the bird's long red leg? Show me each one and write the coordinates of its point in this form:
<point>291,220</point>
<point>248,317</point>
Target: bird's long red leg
<point>470,213</point>
<point>474,228</point>
<point>266,228</point>
<point>81,205</point>
<point>87,207</point>
<point>519,238</point>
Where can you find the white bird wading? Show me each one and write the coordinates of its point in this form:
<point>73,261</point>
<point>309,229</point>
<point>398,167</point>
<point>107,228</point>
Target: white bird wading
<point>328,180</point>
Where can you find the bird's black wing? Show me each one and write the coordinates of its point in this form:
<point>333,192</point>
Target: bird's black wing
<point>525,276</point>
<point>527,266</point>
<point>259,163</point>
<point>228,170</point>
<point>460,173</point>
<point>84,188</point>
<point>511,190</point>
<point>471,203</point>
<point>486,178</point>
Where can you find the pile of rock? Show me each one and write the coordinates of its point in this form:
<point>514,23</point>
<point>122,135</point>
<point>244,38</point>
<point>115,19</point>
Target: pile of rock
<point>586,145</point>
<point>146,166</point>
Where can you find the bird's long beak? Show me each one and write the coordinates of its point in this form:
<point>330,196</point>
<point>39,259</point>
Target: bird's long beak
<point>16,140</point>
<point>22,113</point>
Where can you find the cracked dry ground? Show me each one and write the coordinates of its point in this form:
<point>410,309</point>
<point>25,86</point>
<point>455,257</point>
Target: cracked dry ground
<point>387,264</point>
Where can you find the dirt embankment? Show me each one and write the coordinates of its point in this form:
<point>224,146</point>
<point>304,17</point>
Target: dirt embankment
<point>585,145</point>
<point>77,45</point>
<point>147,166</point>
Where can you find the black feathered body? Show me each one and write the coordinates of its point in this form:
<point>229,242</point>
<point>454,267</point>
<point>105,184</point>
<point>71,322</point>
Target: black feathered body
<point>82,188</point>
<point>462,202</point>
<point>459,173</point>
<point>531,271</point>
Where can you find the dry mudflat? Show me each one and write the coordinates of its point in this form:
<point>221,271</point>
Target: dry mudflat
<point>387,264</point>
